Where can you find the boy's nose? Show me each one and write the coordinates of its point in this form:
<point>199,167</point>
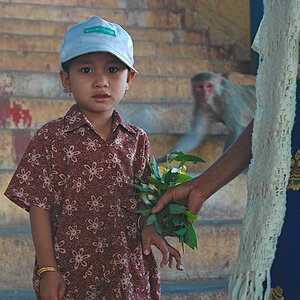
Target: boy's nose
<point>100,80</point>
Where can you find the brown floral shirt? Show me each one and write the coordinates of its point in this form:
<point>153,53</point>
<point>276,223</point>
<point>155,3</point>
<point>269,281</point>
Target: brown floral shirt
<point>85,183</point>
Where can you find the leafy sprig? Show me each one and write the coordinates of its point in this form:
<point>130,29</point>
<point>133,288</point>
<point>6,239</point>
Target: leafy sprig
<point>173,219</point>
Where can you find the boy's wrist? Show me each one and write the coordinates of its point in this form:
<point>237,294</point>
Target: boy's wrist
<point>42,270</point>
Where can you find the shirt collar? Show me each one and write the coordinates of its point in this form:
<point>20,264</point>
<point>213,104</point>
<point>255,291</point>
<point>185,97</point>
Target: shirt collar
<point>75,119</point>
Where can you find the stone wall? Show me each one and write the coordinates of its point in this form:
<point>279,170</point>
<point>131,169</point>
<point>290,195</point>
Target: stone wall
<point>227,22</point>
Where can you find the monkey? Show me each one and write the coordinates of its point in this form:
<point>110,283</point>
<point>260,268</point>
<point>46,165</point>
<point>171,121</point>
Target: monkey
<point>217,100</point>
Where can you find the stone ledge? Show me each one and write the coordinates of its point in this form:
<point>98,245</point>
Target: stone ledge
<point>132,17</point>
<point>38,43</point>
<point>163,66</point>
<point>52,28</point>
<point>217,250</point>
<point>213,290</point>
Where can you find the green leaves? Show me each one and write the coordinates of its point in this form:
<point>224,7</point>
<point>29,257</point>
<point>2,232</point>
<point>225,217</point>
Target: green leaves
<point>158,183</point>
<point>183,158</point>
<point>144,212</point>
<point>173,219</point>
<point>175,178</point>
<point>191,218</point>
<point>190,237</point>
<point>152,218</point>
<point>176,209</point>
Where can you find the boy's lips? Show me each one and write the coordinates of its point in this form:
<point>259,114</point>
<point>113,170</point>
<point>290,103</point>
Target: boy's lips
<point>101,96</point>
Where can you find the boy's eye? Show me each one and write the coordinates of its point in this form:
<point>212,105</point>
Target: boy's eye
<point>112,70</point>
<point>86,70</point>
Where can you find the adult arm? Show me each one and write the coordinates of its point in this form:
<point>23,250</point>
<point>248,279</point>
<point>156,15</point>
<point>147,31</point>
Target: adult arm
<point>52,285</point>
<point>195,192</point>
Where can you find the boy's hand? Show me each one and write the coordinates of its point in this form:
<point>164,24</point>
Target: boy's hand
<point>52,286</point>
<point>151,237</point>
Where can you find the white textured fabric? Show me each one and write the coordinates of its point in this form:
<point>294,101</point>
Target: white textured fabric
<point>271,146</point>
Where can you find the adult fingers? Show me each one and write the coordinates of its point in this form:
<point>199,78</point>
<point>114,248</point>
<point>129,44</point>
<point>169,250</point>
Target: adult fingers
<point>195,201</point>
<point>162,201</point>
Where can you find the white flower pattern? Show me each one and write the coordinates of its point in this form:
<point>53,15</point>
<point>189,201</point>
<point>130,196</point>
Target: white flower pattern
<point>33,160</point>
<point>73,232</point>
<point>25,177</point>
<point>93,171</point>
<point>95,225</point>
<point>91,144</point>
<point>100,245</point>
<point>113,160</point>
<point>71,154</point>
<point>95,203</point>
<point>69,207</point>
<point>47,180</point>
<point>79,258</point>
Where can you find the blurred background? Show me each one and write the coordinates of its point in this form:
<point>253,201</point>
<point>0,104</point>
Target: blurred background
<point>173,40</point>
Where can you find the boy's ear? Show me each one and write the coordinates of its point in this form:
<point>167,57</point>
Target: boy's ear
<point>130,76</point>
<point>65,80</point>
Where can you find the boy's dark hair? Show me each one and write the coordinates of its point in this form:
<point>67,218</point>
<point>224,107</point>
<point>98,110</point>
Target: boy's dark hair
<point>67,64</point>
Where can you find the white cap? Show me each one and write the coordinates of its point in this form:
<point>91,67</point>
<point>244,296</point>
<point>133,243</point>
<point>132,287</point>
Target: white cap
<point>97,35</point>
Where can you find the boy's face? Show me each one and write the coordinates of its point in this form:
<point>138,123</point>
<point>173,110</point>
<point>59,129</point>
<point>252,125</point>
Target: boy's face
<point>98,82</point>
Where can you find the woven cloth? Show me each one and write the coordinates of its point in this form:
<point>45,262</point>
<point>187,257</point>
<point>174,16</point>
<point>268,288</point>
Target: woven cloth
<point>269,170</point>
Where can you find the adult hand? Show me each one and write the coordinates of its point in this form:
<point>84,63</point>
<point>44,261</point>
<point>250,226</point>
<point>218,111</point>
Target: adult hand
<point>52,286</point>
<point>187,194</point>
<point>151,237</point>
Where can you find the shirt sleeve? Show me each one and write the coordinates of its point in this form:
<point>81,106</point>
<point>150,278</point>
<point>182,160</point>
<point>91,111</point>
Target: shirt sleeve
<point>32,182</point>
<point>143,169</point>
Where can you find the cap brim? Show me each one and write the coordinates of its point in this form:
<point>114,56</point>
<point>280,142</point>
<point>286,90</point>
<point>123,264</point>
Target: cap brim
<point>97,48</point>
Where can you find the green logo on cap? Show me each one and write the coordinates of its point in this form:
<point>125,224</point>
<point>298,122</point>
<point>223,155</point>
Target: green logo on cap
<point>100,29</point>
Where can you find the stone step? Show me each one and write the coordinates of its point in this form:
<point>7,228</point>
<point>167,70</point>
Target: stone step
<point>217,250</point>
<point>52,28</point>
<point>164,66</point>
<point>128,4</point>
<point>152,117</point>
<point>48,85</point>
<point>144,89</point>
<point>144,4</point>
<point>133,17</point>
<point>17,42</point>
<point>228,204</point>
<point>17,294</point>
<point>201,290</point>
<point>14,142</point>
<point>17,258</point>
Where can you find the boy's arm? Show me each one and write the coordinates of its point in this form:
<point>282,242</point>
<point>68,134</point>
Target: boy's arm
<point>52,285</point>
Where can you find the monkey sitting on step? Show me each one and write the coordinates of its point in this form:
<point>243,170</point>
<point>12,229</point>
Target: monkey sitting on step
<point>217,100</point>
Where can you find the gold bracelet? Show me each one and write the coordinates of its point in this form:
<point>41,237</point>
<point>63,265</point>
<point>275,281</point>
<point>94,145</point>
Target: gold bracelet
<point>47,269</point>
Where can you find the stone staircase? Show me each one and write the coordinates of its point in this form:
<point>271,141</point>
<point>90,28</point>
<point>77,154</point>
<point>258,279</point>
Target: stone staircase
<point>167,54</point>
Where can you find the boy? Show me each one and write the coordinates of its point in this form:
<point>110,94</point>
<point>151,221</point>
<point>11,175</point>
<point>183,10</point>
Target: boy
<point>76,177</point>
